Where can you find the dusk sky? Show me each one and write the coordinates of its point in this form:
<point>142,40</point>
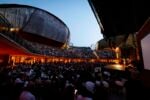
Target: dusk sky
<point>76,14</point>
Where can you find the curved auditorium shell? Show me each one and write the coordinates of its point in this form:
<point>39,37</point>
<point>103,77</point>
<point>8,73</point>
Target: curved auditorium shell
<point>34,24</point>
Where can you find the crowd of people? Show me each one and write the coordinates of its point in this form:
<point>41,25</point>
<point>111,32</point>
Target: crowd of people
<point>71,52</point>
<point>70,81</point>
<point>67,81</point>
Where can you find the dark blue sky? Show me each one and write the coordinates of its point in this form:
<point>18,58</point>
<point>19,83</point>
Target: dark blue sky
<point>76,14</point>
